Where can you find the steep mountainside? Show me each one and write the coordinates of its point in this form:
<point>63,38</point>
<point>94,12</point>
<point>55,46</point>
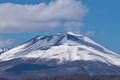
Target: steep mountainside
<point>61,54</point>
<point>63,47</point>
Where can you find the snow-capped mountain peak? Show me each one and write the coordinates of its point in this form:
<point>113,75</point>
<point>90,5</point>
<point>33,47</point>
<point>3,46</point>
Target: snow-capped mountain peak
<point>63,47</point>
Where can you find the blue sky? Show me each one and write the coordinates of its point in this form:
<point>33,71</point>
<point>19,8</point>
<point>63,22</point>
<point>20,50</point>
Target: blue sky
<point>21,20</point>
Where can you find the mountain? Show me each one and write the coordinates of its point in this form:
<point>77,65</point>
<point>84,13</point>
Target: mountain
<point>2,50</point>
<point>60,54</point>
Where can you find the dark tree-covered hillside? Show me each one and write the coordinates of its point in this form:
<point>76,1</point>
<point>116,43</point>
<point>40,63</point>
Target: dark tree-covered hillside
<point>3,78</point>
<point>74,77</point>
<point>77,77</point>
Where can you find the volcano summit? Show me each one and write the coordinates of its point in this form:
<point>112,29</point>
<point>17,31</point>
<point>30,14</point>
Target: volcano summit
<point>59,54</point>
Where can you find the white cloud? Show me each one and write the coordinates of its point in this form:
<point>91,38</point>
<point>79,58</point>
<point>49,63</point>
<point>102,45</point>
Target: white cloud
<point>6,42</point>
<point>17,18</point>
<point>90,33</point>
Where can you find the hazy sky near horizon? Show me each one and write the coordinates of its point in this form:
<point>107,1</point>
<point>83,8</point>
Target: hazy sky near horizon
<point>21,20</point>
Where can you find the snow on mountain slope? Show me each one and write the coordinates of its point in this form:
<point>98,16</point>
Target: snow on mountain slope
<point>64,47</point>
<point>2,50</point>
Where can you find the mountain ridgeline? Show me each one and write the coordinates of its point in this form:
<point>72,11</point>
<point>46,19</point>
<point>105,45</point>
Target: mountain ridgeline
<point>58,54</point>
<point>2,50</point>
